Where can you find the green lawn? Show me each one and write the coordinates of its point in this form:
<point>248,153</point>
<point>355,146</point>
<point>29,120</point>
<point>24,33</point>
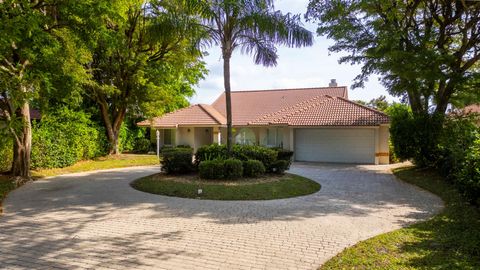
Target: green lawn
<point>450,240</point>
<point>108,162</point>
<point>265,188</point>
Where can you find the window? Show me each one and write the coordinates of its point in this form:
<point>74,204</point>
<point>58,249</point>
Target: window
<point>245,136</point>
<point>275,137</point>
<point>169,136</point>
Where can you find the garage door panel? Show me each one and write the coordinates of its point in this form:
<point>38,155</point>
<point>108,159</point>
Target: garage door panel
<point>335,145</point>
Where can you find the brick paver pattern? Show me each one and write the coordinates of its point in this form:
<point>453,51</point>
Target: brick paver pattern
<point>97,221</point>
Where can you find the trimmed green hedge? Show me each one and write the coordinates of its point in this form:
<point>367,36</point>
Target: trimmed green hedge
<point>212,169</point>
<point>242,152</point>
<point>253,168</point>
<point>233,168</point>
<point>176,159</point>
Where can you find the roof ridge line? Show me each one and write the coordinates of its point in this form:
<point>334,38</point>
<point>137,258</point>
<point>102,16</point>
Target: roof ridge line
<point>207,111</point>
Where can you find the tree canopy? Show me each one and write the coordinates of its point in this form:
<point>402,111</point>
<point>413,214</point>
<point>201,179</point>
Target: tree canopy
<point>426,51</point>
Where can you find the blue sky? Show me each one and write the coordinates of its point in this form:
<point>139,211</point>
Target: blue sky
<point>297,67</point>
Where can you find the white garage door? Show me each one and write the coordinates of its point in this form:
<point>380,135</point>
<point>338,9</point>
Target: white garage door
<point>335,145</point>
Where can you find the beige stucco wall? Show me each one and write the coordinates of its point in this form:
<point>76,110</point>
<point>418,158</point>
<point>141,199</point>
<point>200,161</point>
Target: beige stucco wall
<point>185,136</point>
<point>383,149</point>
<point>203,136</point>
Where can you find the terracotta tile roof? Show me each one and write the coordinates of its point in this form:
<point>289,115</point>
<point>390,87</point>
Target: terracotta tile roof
<point>250,105</point>
<point>199,114</point>
<point>327,106</point>
<point>326,111</point>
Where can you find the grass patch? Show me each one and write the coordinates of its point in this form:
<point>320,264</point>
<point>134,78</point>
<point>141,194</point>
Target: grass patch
<point>265,188</point>
<point>450,240</point>
<point>102,163</point>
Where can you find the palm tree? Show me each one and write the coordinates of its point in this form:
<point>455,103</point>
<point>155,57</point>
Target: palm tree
<point>254,27</point>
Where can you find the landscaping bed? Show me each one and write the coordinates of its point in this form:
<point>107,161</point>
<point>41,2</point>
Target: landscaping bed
<point>450,240</point>
<point>266,187</point>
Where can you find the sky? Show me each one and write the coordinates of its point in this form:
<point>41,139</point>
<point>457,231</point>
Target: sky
<point>297,68</point>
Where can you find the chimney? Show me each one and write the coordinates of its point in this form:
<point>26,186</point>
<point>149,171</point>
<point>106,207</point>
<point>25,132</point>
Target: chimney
<point>333,83</point>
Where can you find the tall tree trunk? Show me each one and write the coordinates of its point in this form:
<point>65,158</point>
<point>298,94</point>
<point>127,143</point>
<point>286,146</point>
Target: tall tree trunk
<point>113,129</point>
<point>228,100</point>
<point>22,144</point>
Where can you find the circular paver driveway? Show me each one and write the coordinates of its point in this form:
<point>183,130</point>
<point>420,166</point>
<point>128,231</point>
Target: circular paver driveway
<point>96,220</point>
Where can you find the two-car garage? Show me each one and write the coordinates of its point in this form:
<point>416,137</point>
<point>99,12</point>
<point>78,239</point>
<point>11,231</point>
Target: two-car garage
<point>343,145</point>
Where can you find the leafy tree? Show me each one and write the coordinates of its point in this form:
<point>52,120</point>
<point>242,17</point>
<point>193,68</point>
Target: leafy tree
<point>145,61</point>
<point>425,50</point>
<point>379,103</point>
<point>38,50</point>
<point>254,27</point>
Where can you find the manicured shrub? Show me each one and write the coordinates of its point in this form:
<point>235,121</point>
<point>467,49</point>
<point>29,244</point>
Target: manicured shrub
<point>212,169</point>
<point>263,154</point>
<point>253,168</point>
<point>210,152</point>
<point>285,155</point>
<point>176,160</point>
<point>233,168</point>
<point>280,166</point>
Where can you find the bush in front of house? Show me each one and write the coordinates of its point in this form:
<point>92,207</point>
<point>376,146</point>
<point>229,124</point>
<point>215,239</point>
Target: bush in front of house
<point>176,160</point>
<point>285,155</point>
<point>253,168</point>
<point>280,166</point>
<point>254,152</point>
<point>233,168</point>
<point>212,169</point>
<point>210,152</point>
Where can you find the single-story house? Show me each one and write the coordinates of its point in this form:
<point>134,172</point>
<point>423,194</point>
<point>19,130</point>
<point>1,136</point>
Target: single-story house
<point>318,124</point>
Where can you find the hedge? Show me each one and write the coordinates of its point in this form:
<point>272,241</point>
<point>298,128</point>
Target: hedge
<point>233,168</point>
<point>253,168</point>
<point>242,152</point>
<point>176,160</point>
<point>451,145</point>
<point>65,137</point>
<point>212,169</point>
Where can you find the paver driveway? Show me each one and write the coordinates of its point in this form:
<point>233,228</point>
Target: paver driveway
<point>96,220</point>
